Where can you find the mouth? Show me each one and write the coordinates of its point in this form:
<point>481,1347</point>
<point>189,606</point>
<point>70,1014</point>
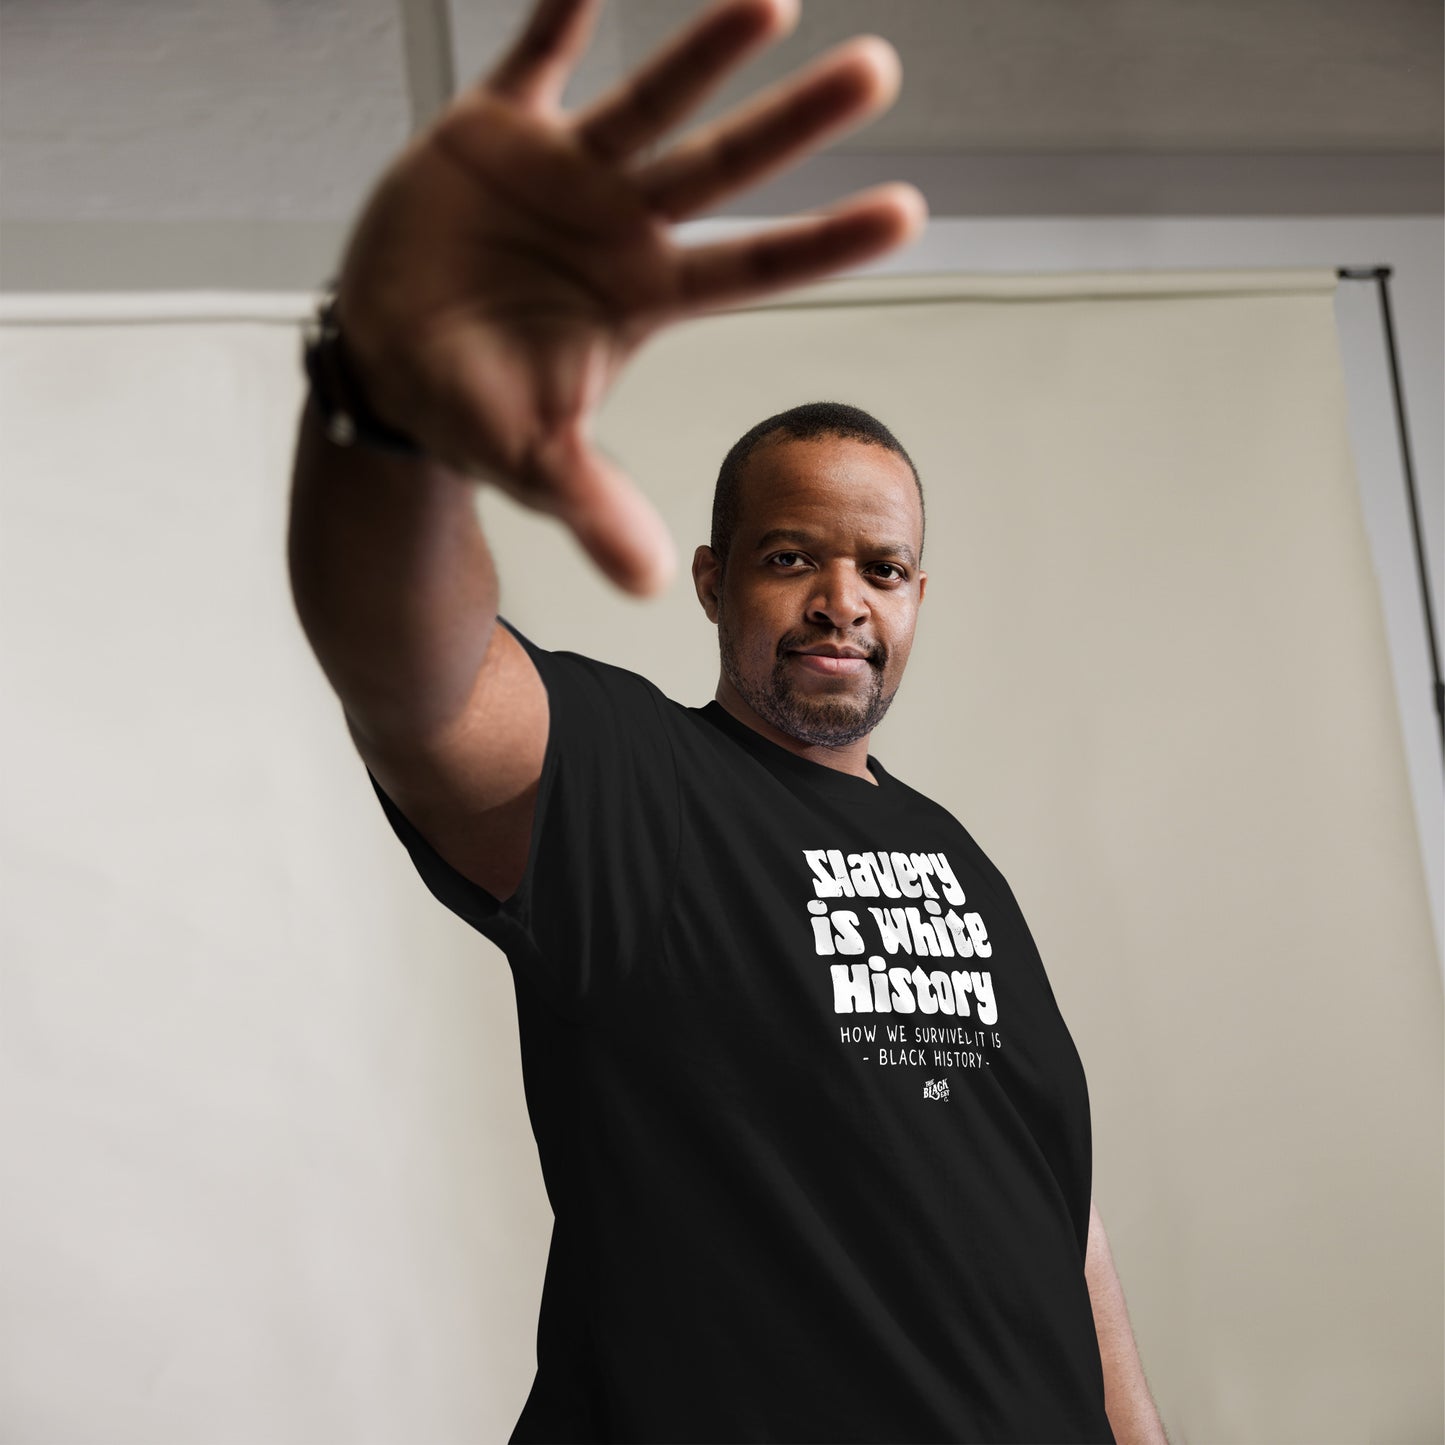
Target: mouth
<point>828,664</point>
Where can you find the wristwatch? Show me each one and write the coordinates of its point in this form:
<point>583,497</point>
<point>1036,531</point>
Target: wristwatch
<point>340,402</point>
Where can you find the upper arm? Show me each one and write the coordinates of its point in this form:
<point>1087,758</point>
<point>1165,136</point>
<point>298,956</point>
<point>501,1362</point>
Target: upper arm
<point>549,816</point>
<point>471,788</point>
<point>1098,1261</point>
<point>1106,1295</point>
<point>1127,1399</point>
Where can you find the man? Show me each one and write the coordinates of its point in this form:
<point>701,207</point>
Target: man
<point>815,1135</point>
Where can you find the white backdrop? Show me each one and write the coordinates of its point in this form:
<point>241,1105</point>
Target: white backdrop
<point>267,1172</point>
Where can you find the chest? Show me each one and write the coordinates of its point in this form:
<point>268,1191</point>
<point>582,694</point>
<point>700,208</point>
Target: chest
<point>809,949</point>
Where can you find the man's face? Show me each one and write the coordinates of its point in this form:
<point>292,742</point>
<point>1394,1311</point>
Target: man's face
<point>825,555</point>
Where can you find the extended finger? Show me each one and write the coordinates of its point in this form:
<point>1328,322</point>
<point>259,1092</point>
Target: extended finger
<point>616,525</point>
<point>849,233</point>
<point>848,85</point>
<point>535,69</point>
<point>679,76</point>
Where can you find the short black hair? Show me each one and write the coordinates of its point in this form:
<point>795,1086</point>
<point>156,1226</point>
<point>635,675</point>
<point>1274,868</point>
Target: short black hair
<point>799,423</point>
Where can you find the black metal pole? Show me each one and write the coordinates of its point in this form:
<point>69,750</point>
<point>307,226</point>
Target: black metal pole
<point>1381,276</point>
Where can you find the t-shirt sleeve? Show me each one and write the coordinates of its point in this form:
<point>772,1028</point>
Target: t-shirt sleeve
<point>605,834</point>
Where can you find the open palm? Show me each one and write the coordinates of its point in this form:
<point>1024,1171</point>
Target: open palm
<point>513,257</point>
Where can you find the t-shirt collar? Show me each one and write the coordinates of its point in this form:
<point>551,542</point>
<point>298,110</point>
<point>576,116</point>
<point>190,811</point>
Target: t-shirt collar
<point>846,787</point>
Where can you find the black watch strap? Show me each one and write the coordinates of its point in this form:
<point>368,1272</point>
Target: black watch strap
<point>337,394</point>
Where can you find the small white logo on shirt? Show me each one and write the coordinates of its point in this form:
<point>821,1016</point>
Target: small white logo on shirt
<point>935,1089</point>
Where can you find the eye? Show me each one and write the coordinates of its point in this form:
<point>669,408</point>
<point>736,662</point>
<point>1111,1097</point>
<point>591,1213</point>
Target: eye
<point>896,573</point>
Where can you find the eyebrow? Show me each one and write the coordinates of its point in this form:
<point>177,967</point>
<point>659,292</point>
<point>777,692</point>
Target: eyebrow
<point>771,538</point>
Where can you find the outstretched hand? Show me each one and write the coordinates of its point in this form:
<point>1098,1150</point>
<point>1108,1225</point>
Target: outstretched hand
<point>512,257</point>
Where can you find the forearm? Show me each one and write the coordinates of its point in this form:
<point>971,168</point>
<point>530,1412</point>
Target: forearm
<point>393,581</point>
<point>1130,1407</point>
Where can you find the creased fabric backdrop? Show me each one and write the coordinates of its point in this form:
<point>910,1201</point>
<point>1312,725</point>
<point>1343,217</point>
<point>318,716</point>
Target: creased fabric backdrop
<point>267,1172</point>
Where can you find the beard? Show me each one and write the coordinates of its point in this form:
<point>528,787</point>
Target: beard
<point>830,720</point>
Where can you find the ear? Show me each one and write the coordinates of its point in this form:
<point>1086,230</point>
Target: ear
<point>707,579</point>
<point>922,583</point>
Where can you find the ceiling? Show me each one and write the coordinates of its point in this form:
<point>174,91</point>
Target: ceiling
<point>136,114</point>
<point>1082,75</point>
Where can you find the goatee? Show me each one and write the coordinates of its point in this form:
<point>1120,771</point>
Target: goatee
<point>825,720</point>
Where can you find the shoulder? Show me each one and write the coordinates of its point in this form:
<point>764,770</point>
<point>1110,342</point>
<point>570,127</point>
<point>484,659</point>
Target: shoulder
<point>969,845</point>
<point>579,672</point>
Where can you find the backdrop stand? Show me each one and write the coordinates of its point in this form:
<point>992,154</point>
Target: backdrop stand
<point>1381,276</point>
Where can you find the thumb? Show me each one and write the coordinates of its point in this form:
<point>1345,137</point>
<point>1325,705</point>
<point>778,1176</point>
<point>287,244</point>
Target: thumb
<point>617,526</point>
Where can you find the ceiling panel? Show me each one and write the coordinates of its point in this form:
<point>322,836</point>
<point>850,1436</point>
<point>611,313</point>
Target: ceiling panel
<point>144,110</point>
<point>1080,75</point>
<point>136,115</point>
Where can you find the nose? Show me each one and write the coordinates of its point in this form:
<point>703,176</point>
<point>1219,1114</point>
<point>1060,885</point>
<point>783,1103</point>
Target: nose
<point>840,599</point>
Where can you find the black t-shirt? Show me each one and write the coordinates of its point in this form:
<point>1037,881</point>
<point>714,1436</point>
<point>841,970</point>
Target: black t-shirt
<point>814,1132</point>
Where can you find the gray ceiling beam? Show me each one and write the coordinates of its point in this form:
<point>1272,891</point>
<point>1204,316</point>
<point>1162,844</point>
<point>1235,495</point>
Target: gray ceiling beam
<point>430,56</point>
